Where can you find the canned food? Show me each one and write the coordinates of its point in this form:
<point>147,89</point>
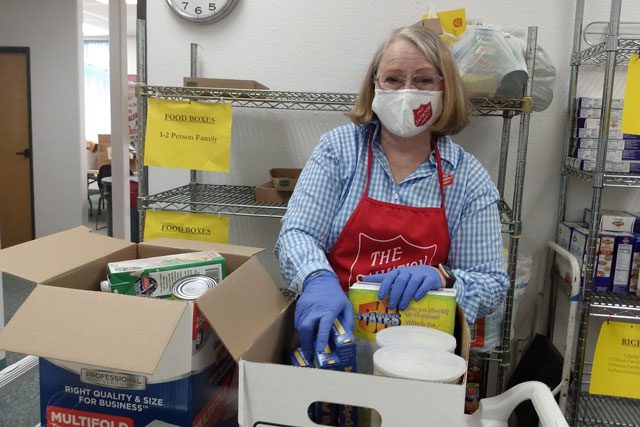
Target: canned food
<point>192,287</point>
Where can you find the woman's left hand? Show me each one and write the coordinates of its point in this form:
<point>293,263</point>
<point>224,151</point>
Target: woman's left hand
<point>406,283</point>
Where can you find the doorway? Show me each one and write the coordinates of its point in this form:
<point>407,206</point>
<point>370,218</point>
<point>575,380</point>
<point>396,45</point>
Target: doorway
<point>16,166</point>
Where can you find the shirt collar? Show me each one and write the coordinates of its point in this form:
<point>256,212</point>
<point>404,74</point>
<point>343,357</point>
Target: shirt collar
<point>448,151</point>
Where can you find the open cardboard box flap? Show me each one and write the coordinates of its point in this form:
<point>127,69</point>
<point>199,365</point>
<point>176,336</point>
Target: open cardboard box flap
<point>243,307</point>
<point>90,328</point>
<point>48,258</point>
<point>245,304</point>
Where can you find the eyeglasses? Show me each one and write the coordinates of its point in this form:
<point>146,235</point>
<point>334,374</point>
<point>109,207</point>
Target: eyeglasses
<point>420,81</point>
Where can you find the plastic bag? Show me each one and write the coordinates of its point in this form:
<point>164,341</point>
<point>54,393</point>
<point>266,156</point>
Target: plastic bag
<point>489,65</point>
<point>544,75</point>
<point>487,332</point>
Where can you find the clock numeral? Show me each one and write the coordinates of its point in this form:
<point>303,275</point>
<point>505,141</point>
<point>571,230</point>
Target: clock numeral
<point>185,3</point>
<point>198,10</point>
<point>212,6</point>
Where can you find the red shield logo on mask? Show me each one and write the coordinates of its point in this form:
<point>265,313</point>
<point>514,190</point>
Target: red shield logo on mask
<point>422,114</point>
<point>382,255</point>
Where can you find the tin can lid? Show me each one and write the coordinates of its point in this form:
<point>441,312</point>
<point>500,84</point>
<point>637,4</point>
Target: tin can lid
<point>105,286</point>
<point>192,287</point>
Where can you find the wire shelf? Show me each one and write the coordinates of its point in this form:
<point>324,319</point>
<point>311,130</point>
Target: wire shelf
<point>239,200</point>
<point>594,410</point>
<point>214,199</point>
<point>615,306</point>
<point>610,179</point>
<point>313,101</point>
<point>598,53</point>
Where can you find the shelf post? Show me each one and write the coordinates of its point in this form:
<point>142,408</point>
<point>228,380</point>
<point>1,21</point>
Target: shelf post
<point>143,171</point>
<point>611,47</point>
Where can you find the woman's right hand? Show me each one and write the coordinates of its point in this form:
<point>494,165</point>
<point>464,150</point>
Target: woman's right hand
<point>322,301</point>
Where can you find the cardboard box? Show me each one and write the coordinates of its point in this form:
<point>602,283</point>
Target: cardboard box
<point>611,155</point>
<point>272,393</point>
<point>266,193</point>
<point>432,24</point>
<point>612,144</point>
<point>635,266</point>
<point>622,263</point>
<point>632,167</point>
<point>137,348</point>
<point>586,102</point>
<point>595,113</point>
<point>222,83</point>
<point>611,220</point>
<point>284,179</point>
<point>104,153</point>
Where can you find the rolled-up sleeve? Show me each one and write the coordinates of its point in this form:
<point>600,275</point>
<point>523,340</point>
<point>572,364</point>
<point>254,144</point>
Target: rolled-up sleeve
<point>475,254</point>
<point>303,238</point>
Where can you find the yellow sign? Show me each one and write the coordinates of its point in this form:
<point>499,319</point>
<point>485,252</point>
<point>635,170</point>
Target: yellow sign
<point>185,225</point>
<point>454,21</point>
<point>188,135</point>
<point>631,110</point>
<point>616,363</point>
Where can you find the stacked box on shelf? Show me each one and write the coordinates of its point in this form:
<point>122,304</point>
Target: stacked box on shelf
<point>623,150</point>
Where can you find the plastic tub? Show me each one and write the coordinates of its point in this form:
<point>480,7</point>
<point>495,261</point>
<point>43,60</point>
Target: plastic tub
<point>416,336</point>
<point>419,363</point>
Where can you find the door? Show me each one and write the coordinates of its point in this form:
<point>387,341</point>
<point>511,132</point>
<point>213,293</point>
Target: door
<point>16,171</point>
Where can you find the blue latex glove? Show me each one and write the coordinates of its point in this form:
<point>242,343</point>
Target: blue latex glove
<point>405,283</point>
<point>322,301</point>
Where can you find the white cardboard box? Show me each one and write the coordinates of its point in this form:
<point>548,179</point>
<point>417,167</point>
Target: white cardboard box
<point>273,394</point>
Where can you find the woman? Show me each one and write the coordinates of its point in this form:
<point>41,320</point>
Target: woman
<point>391,199</point>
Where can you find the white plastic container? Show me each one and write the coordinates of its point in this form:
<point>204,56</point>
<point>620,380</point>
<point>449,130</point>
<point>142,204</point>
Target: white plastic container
<point>416,363</point>
<point>416,336</point>
<point>419,363</point>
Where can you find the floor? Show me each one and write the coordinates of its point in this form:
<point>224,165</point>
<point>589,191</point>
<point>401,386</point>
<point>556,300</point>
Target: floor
<point>20,407</point>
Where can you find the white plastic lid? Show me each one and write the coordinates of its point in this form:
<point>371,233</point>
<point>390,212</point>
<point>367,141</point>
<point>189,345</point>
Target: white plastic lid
<point>105,286</point>
<point>416,336</point>
<point>419,363</point>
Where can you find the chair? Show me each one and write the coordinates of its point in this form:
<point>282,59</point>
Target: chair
<point>103,172</point>
<point>91,178</point>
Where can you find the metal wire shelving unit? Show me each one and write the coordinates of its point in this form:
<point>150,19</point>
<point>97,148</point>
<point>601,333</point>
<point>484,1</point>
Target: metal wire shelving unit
<point>238,200</point>
<point>584,409</point>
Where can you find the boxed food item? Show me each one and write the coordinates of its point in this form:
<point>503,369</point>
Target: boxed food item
<point>622,262</point>
<point>611,155</point>
<point>109,359</point>
<point>222,83</point>
<point>614,133</point>
<point>595,113</point>
<point>635,266</point>
<point>632,167</point>
<point>612,220</point>
<point>266,193</point>
<point>587,102</point>
<point>595,123</point>
<point>612,144</point>
<point>284,179</point>
<point>155,277</point>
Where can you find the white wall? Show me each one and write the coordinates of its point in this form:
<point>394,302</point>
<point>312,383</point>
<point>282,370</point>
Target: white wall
<point>326,46</point>
<point>52,32</point>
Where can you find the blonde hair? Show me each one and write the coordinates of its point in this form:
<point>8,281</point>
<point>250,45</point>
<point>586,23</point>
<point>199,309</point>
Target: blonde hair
<point>455,105</point>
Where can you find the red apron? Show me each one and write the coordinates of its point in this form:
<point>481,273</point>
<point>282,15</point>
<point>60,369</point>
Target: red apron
<point>380,236</point>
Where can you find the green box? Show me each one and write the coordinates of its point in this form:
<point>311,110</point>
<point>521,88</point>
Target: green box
<point>154,277</point>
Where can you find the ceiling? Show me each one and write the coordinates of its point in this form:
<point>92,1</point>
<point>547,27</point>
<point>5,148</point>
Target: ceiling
<point>95,18</point>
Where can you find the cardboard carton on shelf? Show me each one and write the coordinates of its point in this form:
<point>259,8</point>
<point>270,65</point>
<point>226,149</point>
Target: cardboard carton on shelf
<point>266,193</point>
<point>284,179</point>
<point>222,83</point>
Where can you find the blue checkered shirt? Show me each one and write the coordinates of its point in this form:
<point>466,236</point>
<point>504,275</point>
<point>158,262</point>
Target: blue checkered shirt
<point>332,183</point>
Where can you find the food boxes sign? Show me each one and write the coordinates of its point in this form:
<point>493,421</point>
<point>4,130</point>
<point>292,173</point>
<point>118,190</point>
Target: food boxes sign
<point>188,135</point>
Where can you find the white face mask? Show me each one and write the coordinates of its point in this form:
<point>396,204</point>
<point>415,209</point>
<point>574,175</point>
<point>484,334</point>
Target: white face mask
<point>407,112</point>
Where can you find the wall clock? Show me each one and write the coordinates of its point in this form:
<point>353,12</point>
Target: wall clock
<point>202,11</point>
